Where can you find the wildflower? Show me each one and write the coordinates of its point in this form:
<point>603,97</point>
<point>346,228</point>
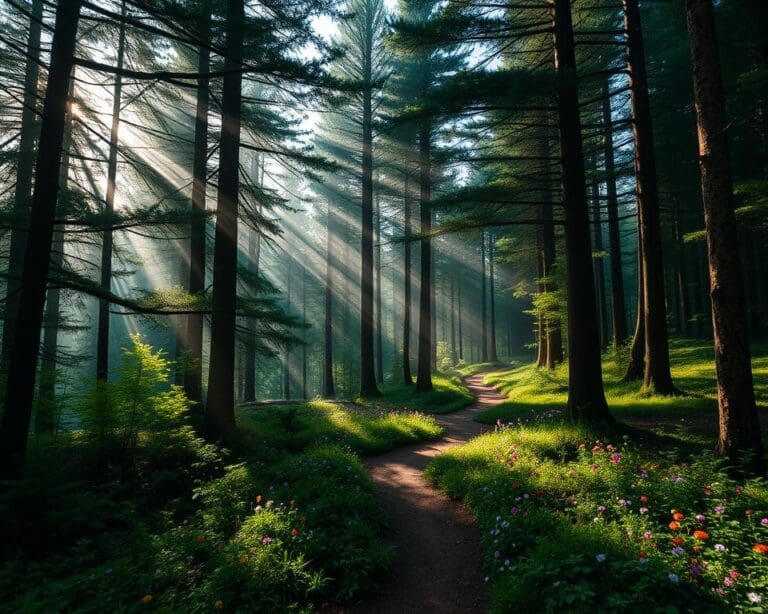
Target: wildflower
<point>734,574</point>
<point>702,535</point>
<point>218,604</point>
<point>647,535</point>
<point>200,538</point>
<point>761,548</point>
<point>600,558</point>
<point>594,468</point>
<point>514,510</point>
<point>695,569</point>
<point>673,578</point>
<point>146,598</point>
<point>678,541</point>
<point>643,499</point>
<point>728,582</point>
<point>643,510</point>
<point>754,597</point>
<point>643,554</point>
<point>295,532</point>
<point>625,502</point>
<point>266,539</point>
<point>707,491</point>
<point>258,498</point>
<point>720,547</point>
<point>601,508</point>
<point>700,517</point>
<point>749,512</point>
<point>258,508</point>
<point>678,551</point>
<point>677,516</point>
<point>674,525</point>
<point>719,591</point>
<point>738,490</point>
<point>615,458</point>
<point>764,522</point>
<point>719,509</point>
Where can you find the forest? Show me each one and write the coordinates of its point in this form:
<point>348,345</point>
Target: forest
<point>376,306</point>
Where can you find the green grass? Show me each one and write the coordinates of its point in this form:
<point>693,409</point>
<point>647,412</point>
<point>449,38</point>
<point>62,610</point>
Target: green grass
<point>572,524</point>
<point>533,391</point>
<point>366,430</point>
<point>449,394</point>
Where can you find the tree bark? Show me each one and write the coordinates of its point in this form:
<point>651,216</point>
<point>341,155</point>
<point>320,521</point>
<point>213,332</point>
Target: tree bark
<point>254,256</point>
<point>618,307</point>
<point>220,405</point>
<point>377,291</point>
<point>368,387</point>
<point>739,432</point>
<point>192,340</point>
<point>102,334</point>
<point>597,263</point>
<point>483,302</point>
<point>17,404</point>
<point>492,353</point>
<point>586,399</point>
<point>329,390</point>
<point>24,171</point>
<point>407,377</point>
<point>424,370</point>
<point>658,377</point>
<point>636,365</point>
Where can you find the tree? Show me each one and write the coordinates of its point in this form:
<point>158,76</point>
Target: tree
<point>17,405</point>
<point>586,399</point>
<point>220,405</point>
<point>739,428</point>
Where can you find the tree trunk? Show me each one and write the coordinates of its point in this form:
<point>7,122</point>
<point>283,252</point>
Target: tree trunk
<point>24,171</point>
<point>636,366</point>
<point>329,390</point>
<point>304,333</point>
<point>461,326</point>
<point>483,302</point>
<point>541,324</point>
<point>377,291</point>
<point>17,404</point>
<point>586,400</point>
<point>192,344</point>
<point>618,307</point>
<point>220,406</point>
<point>424,371</point>
<point>46,412</point>
<point>102,334</point>
<point>407,377</point>
<point>454,355</point>
<point>657,374</point>
<point>287,375</point>
<point>739,433</point>
<point>492,353</point>
<point>597,263</point>
<point>254,256</point>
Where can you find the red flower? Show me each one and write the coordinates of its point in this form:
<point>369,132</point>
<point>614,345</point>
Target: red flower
<point>761,548</point>
<point>643,499</point>
<point>295,532</point>
<point>678,541</point>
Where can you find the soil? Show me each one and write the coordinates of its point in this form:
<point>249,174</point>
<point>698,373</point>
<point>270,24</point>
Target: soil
<point>436,540</point>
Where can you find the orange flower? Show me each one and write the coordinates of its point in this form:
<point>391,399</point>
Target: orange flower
<point>702,535</point>
<point>146,598</point>
<point>677,516</point>
<point>674,525</point>
<point>678,541</point>
<point>643,554</point>
<point>218,604</point>
<point>200,538</point>
<point>761,548</point>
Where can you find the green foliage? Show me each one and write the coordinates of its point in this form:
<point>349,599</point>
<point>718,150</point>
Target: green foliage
<point>570,523</point>
<point>364,429</point>
<point>449,394</point>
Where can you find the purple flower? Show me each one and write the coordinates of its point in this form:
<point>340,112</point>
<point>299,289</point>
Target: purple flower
<point>678,551</point>
<point>719,509</point>
<point>615,458</point>
<point>720,547</point>
<point>514,510</point>
<point>695,569</point>
<point>700,517</point>
<point>266,539</point>
<point>497,554</point>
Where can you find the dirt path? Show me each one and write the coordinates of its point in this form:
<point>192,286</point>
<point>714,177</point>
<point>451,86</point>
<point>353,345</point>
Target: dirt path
<point>437,561</point>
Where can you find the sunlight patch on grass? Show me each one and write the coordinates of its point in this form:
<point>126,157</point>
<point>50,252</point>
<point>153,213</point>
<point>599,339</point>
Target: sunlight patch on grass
<point>449,394</point>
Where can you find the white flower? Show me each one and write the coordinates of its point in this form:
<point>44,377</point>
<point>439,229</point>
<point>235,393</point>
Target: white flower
<point>754,597</point>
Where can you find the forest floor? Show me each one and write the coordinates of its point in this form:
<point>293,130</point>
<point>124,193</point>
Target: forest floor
<point>437,560</point>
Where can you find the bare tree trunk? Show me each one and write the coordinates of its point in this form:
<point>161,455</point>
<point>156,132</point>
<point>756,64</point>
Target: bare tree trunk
<point>483,302</point>
<point>618,307</point>
<point>586,399</point>
<point>424,367</point>
<point>493,354</point>
<point>102,334</point>
<point>377,291</point>
<point>454,355</point>
<point>541,320</point>
<point>192,340</point>
<point>658,377</point>
<point>254,256</point>
<point>329,390</point>
<point>220,407</point>
<point>739,428</point>
<point>24,170</point>
<point>287,375</point>
<point>17,404</point>
<point>636,366</point>
<point>597,263</point>
<point>407,377</point>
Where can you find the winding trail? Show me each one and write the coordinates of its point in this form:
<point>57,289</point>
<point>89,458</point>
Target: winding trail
<point>437,561</point>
